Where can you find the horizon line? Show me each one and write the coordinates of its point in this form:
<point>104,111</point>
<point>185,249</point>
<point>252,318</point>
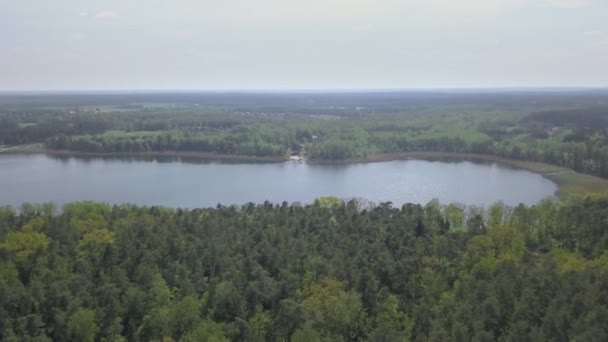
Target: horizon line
<point>298,90</point>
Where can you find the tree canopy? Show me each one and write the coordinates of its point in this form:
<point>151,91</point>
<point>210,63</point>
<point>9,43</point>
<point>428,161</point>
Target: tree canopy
<point>328,271</point>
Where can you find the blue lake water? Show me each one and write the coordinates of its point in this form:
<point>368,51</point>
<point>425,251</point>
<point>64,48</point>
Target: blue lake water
<point>190,184</point>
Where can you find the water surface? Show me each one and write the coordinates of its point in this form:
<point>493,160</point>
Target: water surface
<point>176,183</point>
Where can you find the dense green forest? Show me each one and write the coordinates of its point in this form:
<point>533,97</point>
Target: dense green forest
<point>567,129</point>
<point>328,271</point>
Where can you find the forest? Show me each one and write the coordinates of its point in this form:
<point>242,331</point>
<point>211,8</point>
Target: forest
<point>327,271</point>
<point>331,270</point>
<point>567,129</point>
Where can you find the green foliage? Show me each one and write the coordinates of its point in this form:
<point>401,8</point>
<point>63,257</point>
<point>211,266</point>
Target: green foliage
<point>328,202</point>
<point>333,311</point>
<point>24,244</point>
<point>260,325</point>
<point>184,317</point>
<point>207,331</point>
<point>95,243</point>
<point>82,326</point>
<point>307,334</point>
<point>155,325</point>
<point>561,130</point>
<point>329,271</point>
<point>228,302</point>
<point>241,143</point>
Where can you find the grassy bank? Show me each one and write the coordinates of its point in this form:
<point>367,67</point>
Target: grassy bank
<point>29,148</point>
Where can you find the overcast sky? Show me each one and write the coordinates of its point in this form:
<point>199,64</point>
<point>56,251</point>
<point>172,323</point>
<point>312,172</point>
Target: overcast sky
<point>303,44</point>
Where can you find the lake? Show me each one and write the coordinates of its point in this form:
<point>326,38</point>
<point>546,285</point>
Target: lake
<point>191,184</point>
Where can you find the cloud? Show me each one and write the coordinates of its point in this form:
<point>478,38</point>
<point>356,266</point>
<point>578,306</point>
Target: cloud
<point>105,14</point>
<point>476,5</point>
<point>485,6</point>
<point>592,33</point>
<point>568,3</point>
<point>597,38</point>
<point>354,12</point>
<point>480,5</point>
<point>76,36</point>
<point>83,14</point>
<point>183,34</point>
<point>362,28</point>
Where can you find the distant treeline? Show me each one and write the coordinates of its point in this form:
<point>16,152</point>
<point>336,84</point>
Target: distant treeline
<point>589,156</point>
<point>329,271</point>
<point>35,126</point>
<point>236,144</point>
<point>574,138</point>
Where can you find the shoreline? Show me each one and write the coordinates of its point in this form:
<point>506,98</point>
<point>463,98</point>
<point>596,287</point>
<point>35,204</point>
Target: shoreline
<point>536,167</point>
<point>167,154</point>
<point>568,181</point>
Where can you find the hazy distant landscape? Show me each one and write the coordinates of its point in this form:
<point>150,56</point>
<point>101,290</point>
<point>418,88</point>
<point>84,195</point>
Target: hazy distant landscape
<point>304,171</point>
<point>562,128</point>
<point>382,216</point>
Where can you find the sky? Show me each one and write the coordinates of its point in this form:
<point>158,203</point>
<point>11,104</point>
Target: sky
<point>304,44</point>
